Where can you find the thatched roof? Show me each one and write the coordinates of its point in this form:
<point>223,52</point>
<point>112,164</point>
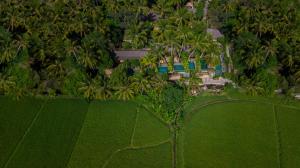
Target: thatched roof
<point>130,54</point>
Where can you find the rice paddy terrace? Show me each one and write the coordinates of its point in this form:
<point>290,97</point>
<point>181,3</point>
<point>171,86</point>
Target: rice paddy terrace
<point>216,132</point>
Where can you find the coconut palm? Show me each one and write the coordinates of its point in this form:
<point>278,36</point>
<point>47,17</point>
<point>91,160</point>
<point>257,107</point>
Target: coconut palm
<point>149,61</point>
<point>8,54</point>
<point>124,93</point>
<point>90,88</point>
<point>139,84</point>
<point>181,17</point>
<point>7,83</point>
<point>86,59</point>
<point>103,93</point>
<point>157,83</point>
<point>57,70</point>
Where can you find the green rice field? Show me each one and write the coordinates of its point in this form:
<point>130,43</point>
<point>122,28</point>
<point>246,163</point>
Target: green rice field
<point>216,132</point>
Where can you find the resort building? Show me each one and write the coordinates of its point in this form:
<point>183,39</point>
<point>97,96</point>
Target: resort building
<point>203,70</point>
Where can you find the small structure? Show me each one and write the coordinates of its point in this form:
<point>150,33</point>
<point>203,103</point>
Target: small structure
<point>123,55</point>
<point>215,33</point>
<point>217,82</point>
<point>190,7</point>
<point>174,77</point>
<point>108,72</point>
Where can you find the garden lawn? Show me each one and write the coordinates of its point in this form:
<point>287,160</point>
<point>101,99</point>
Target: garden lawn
<point>52,136</point>
<point>289,129</point>
<point>231,135</point>
<point>16,117</point>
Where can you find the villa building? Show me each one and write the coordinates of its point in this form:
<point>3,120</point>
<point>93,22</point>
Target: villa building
<point>203,70</point>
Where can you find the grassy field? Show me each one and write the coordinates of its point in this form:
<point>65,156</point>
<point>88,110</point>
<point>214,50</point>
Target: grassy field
<point>114,128</point>
<point>218,131</point>
<point>289,130</point>
<point>149,130</point>
<point>145,157</point>
<point>239,133</point>
<point>16,117</point>
<point>235,134</point>
<point>105,130</point>
<point>52,136</point>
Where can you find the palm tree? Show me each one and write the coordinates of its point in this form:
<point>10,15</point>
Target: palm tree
<point>150,61</point>
<point>103,93</point>
<point>181,17</point>
<point>176,3</point>
<point>139,84</point>
<point>157,83</point>
<point>89,88</point>
<point>57,69</point>
<point>8,54</point>
<point>6,83</point>
<point>86,59</point>
<point>124,93</point>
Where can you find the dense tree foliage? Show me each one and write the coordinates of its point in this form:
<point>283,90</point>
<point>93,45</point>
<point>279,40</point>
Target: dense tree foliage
<point>49,47</point>
<point>66,47</point>
<point>265,39</point>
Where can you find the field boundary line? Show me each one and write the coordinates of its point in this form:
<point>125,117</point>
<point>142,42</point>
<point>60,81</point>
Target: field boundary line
<point>182,147</point>
<point>278,137</point>
<point>133,148</point>
<point>25,134</point>
<point>150,145</point>
<point>193,111</point>
<point>134,127</point>
<point>157,117</point>
<point>75,144</point>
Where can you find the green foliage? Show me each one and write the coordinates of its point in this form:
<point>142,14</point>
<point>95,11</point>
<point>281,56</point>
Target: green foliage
<point>124,93</point>
<point>72,82</point>
<point>167,103</point>
<point>7,84</point>
<point>95,89</point>
<point>120,75</point>
<point>263,37</point>
<point>39,38</point>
